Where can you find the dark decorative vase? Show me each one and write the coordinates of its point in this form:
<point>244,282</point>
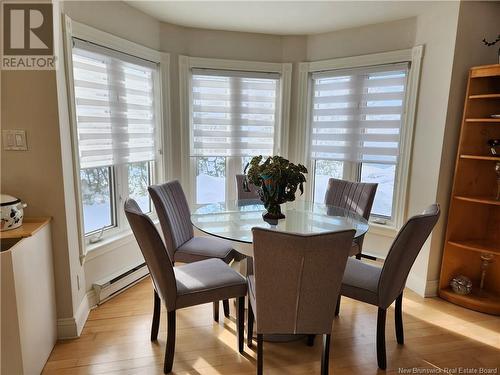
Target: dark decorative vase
<point>273,211</point>
<point>269,220</point>
<point>271,195</point>
<point>277,180</point>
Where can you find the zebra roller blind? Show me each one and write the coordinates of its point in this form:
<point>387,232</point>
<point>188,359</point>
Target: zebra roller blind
<point>357,114</point>
<point>115,106</point>
<point>233,113</point>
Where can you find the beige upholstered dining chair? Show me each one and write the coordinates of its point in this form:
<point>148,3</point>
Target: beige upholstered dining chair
<point>354,196</point>
<point>183,286</point>
<point>175,220</point>
<point>295,285</point>
<point>242,193</point>
<point>380,286</point>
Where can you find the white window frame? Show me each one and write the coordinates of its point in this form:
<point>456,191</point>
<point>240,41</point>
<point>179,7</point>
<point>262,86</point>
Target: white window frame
<point>188,164</point>
<point>162,162</point>
<point>351,171</point>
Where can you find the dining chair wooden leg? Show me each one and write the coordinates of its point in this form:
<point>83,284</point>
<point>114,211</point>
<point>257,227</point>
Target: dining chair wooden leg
<point>381,356</point>
<point>260,354</point>
<point>225,305</point>
<point>310,340</point>
<point>250,326</point>
<point>337,308</point>
<point>216,311</point>
<point>170,349</point>
<point>155,325</point>
<point>240,318</point>
<point>325,355</point>
<point>399,320</point>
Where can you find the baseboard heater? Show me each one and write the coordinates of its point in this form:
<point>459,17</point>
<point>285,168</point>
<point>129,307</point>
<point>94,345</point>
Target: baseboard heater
<point>115,284</point>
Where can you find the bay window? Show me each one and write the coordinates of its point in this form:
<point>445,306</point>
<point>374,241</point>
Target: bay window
<point>116,134</point>
<point>357,116</point>
<point>234,115</point>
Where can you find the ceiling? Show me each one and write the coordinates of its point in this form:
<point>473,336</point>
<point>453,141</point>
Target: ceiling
<point>279,17</point>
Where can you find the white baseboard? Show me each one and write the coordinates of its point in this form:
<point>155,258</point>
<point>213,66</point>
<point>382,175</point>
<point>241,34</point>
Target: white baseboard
<point>69,328</point>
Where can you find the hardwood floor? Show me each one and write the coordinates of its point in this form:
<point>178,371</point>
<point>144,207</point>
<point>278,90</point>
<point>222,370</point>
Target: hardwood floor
<point>116,340</point>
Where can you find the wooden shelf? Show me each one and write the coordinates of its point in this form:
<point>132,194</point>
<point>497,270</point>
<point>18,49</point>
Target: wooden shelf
<point>474,213</point>
<point>479,199</point>
<point>485,96</point>
<point>480,157</point>
<point>481,246</point>
<point>485,71</point>
<point>486,119</point>
<point>486,302</point>
<point>30,226</point>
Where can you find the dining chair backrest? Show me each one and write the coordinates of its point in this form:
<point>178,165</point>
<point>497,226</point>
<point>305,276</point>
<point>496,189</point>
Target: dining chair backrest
<point>173,211</point>
<point>297,280</point>
<point>354,196</point>
<point>154,252</point>
<point>242,193</point>
<point>403,252</point>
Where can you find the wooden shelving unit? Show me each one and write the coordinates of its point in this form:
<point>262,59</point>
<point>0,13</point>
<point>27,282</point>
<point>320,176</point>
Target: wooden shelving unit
<point>474,215</point>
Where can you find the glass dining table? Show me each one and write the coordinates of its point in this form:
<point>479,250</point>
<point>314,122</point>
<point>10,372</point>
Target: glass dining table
<point>234,220</point>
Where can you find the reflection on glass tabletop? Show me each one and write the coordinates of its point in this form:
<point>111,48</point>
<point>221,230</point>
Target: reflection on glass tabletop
<point>234,220</point>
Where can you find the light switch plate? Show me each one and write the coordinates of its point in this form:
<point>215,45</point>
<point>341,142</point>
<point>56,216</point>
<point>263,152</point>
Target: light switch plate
<point>14,140</point>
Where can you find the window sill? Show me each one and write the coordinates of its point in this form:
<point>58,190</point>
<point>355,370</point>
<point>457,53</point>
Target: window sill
<point>386,230</point>
<point>110,243</point>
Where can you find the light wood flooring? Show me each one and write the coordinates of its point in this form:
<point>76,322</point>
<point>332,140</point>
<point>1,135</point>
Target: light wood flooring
<point>438,335</point>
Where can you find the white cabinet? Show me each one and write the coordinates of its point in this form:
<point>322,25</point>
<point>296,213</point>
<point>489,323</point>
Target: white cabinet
<point>28,306</point>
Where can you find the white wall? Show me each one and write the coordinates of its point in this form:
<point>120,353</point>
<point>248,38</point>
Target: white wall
<point>437,30</point>
<point>384,37</point>
<point>116,17</point>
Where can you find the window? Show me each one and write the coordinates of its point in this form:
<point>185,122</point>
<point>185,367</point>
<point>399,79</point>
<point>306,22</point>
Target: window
<point>356,123</point>
<point>97,198</point>
<point>210,179</point>
<point>234,116</point>
<point>139,178</point>
<point>115,108</point>
<point>324,170</point>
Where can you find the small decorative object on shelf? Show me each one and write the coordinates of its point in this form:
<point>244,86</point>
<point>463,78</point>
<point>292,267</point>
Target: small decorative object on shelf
<point>461,285</point>
<point>486,259</point>
<point>494,143</point>
<point>489,44</point>
<point>277,180</point>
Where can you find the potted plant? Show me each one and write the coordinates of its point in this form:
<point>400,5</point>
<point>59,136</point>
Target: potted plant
<point>277,180</point>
